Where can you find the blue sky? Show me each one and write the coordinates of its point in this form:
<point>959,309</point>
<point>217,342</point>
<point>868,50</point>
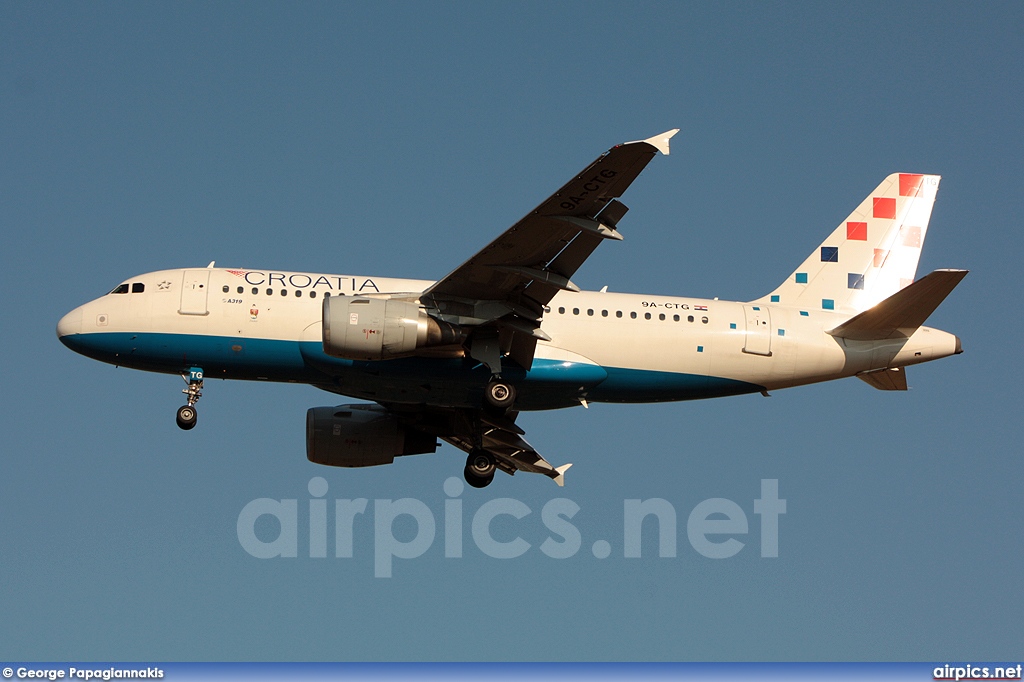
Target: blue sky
<point>395,140</point>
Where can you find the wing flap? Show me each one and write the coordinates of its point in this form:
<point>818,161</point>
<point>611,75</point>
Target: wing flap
<point>469,430</point>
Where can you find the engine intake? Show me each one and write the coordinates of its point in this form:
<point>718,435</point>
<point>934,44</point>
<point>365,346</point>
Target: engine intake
<point>361,436</point>
<point>358,328</point>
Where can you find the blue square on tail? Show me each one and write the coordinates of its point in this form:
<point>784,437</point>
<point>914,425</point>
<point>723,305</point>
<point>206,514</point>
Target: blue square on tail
<point>830,254</point>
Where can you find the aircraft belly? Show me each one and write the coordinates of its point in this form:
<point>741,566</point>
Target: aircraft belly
<point>454,382</point>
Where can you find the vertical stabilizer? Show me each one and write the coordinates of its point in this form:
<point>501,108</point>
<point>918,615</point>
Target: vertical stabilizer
<point>871,255</point>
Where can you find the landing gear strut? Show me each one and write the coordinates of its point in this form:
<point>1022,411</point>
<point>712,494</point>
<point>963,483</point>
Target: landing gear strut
<point>480,467</point>
<point>187,415</point>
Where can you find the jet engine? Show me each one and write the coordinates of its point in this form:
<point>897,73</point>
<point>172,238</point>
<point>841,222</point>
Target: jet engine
<point>358,328</point>
<point>360,436</point>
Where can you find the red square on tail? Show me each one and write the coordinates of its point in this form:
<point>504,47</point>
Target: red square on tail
<point>880,255</point>
<point>858,231</point>
<point>910,184</point>
<point>885,207</point>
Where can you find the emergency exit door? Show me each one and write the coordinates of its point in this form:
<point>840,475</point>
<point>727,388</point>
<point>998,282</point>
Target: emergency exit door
<point>759,330</point>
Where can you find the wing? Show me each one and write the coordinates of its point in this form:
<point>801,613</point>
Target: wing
<point>508,282</point>
<point>471,430</point>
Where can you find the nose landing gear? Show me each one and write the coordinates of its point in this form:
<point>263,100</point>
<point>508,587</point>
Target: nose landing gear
<point>187,415</point>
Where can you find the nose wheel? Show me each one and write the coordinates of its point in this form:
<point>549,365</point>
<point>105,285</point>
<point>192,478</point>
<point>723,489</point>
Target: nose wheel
<point>187,415</point>
<point>480,468</point>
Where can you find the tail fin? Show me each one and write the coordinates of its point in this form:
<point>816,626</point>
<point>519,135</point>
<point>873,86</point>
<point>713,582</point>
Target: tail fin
<point>871,255</point>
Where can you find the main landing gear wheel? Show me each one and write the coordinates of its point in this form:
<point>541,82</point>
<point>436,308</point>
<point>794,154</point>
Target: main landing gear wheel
<point>480,467</point>
<point>500,395</point>
<point>186,417</point>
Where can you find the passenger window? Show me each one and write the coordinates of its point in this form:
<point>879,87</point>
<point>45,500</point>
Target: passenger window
<point>255,291</point>
<point>284,292</point>
<point>647,316</point>
<point>675,318</point>
<point>704,320</point>
<point>327,294</point>
<point>270,292</point>
<point>618,313</point>
<point>590,311</point>
<point>547,309</point>
<point>604,313</point>
<point>575,311</point>
<point>226,289</point>
<point>689,318</point>
<point>632,316</point>
<point>240,290</point>
<point>298,293</point>
<point>661,317</point>
<point>312,294</point>
<point>120,289</point>
<point>561,311</point>
<point>138,288</point>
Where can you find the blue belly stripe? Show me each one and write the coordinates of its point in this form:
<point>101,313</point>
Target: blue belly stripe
<point>458,381</point>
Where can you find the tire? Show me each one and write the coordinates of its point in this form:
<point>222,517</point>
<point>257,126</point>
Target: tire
<point>476,482</point>
<point>186,417</point>
<point>500,395</point>
<point>480,468</point>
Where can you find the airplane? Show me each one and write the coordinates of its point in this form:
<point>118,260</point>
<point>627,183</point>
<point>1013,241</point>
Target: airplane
<point>507,331</point>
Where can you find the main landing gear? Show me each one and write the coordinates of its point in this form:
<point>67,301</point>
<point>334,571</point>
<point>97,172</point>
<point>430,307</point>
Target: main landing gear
<point>499,397</point>
<point>187,414</point>
<point>480,467</point>
<point>499,394</point>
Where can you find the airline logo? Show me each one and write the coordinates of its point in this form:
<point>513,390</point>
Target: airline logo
<point>302,280</point>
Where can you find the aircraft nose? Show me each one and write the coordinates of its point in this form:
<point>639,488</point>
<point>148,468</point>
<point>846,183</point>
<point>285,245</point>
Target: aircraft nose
<point>70,324</point>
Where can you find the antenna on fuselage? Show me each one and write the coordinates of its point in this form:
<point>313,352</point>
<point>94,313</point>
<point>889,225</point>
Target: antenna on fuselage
<point>211,264</point>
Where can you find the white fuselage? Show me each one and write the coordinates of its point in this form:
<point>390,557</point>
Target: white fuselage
<point>258,324</point>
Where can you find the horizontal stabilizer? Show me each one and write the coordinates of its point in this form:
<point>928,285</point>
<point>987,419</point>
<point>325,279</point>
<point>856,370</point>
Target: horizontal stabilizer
<point>560,478</point>
<point>900,315</point>
<point>886,379</point>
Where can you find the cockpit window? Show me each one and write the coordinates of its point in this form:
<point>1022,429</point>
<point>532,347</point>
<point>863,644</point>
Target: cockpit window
<point>121,289</point>
<point>138,288</point>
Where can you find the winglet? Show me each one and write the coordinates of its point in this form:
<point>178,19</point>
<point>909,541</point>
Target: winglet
<point>560,478</point>
<point>660,142</point>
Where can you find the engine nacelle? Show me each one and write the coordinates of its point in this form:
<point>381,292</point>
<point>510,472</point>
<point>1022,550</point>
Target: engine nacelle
<point>360,436</point>
<point>358,328</point>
